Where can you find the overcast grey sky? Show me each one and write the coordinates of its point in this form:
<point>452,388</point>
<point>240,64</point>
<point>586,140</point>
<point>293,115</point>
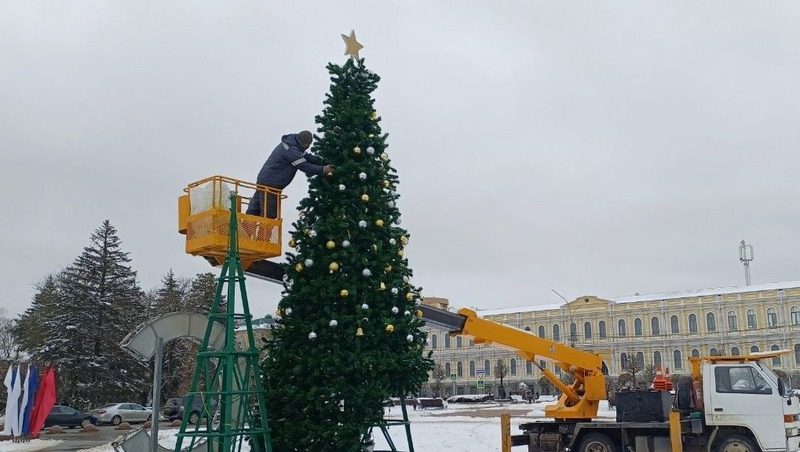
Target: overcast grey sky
<point>598,148</point>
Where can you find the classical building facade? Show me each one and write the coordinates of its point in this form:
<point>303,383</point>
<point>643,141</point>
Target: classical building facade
<point>660,329</point>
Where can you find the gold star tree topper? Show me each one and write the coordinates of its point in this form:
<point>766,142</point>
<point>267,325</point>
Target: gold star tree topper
<point>352,46</point>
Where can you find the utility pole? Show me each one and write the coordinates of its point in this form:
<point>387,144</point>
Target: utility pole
<point>745,257</point>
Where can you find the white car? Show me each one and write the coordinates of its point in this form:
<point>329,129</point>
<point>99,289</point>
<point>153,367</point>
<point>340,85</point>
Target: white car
<point>115,413</point>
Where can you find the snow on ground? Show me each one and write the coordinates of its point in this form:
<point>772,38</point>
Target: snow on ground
<point>461,427</point>
<point>36,444</point>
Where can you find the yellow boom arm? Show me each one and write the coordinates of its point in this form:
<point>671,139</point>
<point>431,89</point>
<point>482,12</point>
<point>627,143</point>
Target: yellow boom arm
<point>579,400</point>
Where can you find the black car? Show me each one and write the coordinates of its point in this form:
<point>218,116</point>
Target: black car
<point>174,408</point>
<point>64,416</point>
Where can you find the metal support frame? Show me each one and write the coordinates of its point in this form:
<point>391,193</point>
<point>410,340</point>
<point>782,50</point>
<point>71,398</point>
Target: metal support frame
<point>228,381</point>
<point>157,373</point>
<point>384,427</point>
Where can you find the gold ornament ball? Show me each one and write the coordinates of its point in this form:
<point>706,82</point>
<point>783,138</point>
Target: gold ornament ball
<point>400,253</point>
<point>418,314</point>
<point>344,293</point>
<point>374,247</point>
<point>330,244</point>
<point>374,115</point>
<point>410,296</point>
<point>386,183</point>
<point>404,240</point>
<point>365,198</point>
<point>384,157</point>
<point>292,243</point>
<point>372,135</point>
<point>334,267</point>
<point>298,267</point>
<point>379,223</point>
<point>390,328</point>
<point>357,150</point>
<point>388,268</point>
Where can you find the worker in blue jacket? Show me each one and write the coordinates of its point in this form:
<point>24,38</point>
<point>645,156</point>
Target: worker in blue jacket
<point>279,170</point>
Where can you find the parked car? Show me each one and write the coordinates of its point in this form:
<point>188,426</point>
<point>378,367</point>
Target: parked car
<point>174,408</point>
<point>115,413</point>
<point>65,416</point>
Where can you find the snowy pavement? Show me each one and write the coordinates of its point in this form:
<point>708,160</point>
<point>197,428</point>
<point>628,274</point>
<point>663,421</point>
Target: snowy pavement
<point>461,427</point>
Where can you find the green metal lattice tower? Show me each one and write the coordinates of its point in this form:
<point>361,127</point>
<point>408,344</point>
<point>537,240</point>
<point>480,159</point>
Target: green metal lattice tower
<point>228,381</point>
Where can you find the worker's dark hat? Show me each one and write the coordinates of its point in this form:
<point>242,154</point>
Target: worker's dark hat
<point>305,138</point>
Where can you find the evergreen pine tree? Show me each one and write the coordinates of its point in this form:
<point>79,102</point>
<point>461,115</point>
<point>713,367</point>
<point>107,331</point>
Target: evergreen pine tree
<point>34,325</point>
<point>349,336</point>
<point>100,302</point>
<point>171,297</point>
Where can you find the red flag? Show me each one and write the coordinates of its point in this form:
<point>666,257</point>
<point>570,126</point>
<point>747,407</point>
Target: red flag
<point>45,399</point>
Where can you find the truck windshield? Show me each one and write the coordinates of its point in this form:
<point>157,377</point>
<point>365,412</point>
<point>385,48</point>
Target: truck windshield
<point>771,376</point>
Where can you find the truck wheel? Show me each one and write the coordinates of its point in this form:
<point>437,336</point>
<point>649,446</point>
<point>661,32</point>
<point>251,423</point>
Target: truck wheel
<point>598,442</point>
<point>736,442</point>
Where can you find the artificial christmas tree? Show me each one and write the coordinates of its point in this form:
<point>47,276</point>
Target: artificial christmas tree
<point>349,332</point>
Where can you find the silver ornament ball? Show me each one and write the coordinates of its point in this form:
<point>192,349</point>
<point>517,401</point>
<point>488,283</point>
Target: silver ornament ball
<point>312,335</point>
<point>366,272</point>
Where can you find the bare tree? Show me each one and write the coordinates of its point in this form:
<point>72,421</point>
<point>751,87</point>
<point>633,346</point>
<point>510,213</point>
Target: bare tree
<point>632,365</point>
<point>648,375</point>
<point>438,374</point>
<point>500,371</point>
<point>9,347</point>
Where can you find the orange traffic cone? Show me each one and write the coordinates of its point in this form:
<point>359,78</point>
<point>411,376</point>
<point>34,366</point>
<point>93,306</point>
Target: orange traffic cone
<point>667,381</point>
<point>658,382</point>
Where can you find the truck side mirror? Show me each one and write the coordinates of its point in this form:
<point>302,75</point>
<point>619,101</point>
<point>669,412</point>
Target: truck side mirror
<point>781,387</point>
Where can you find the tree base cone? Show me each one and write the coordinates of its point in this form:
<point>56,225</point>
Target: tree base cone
<point>176,423</point>
<point>147,425</point>
<point>55,429</point>
<point>89,428</point>
<point>123,426</point>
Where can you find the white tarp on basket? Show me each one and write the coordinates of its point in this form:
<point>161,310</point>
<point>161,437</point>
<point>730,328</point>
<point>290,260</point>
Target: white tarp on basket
<point>212,194</point>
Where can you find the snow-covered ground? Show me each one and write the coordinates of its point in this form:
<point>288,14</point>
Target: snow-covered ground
<point>461,427</point>
<point>36,444</point>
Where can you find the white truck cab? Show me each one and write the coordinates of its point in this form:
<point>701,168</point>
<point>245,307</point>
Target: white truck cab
<point>746,401</point>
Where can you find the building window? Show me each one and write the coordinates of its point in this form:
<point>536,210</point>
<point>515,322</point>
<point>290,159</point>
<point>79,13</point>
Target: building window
<point>446,341</point>
<point>695,353</point>
<point>713,352</point>
<point>733,324</point>
<point>541,331</point>
<point>487,368</point>
<point>556,333</point>
<point>573,331</point>
<point>676,356</point>
<point>795,313</point>
<point>623,360</point>
<point>543,364</point>
<point>754,349</point>
<point>601,329</point>
<point>529,368</point>
<point>776,361</point>
<point>751,319</point>
<point>674,325</point>
<point>692,324</point>
<point>637,327</point>
<point>621,326</point>
<point>657,359</point>
<point>472,368</point>
<point>472,342</point>
<point>447,369</point>
<point>640,360</point>
<point>459,342</point>
<point>433,341</point>
<point>772,318</point>
<point>513,366</point>
<point>711,322</point>
<point>587,330</point>
<point>797,354</point>
<point>735,351</point>
<point>459,369</point>
<point>655,327</point>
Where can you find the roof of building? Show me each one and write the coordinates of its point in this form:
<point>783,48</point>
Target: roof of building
<point>654,296</point>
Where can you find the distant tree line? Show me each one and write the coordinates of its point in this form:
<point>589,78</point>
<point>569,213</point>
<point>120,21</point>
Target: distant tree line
<point>79,315</point>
